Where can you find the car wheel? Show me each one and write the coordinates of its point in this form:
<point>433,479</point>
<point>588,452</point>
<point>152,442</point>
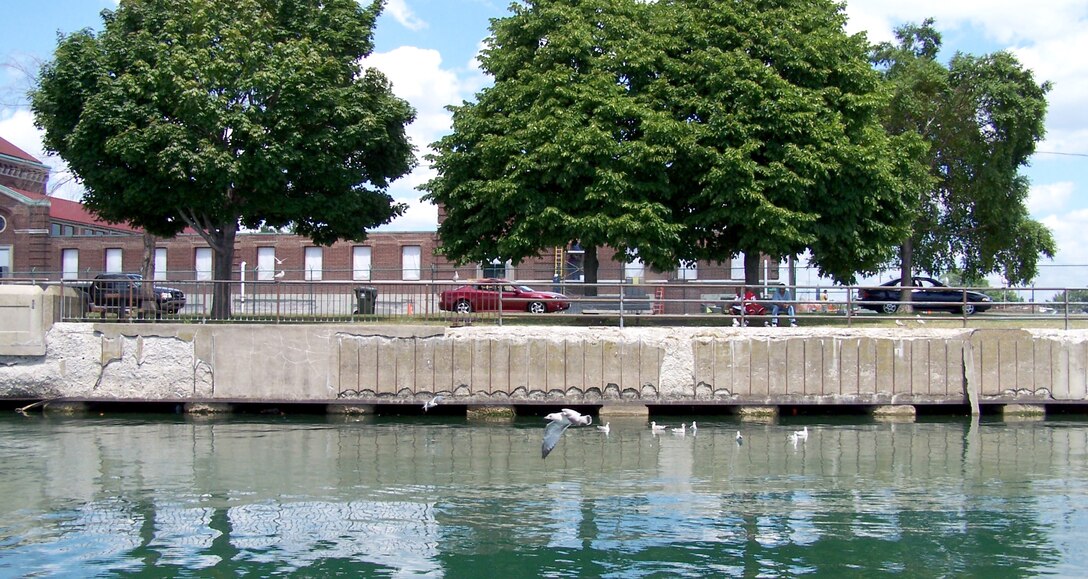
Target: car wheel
<point>537,308</point>
<point>967,309</point>
<point>889,308</point>
<point>462,307</point>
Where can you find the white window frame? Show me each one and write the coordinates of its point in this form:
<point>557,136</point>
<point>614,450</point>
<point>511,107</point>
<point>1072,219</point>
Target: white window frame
<point>634,270</point>
<point>69,263</point>
<point>115,260</point>
<point>313,260</point>
<point>411,262</point>
<point>6,257</point>
<point>266,263</point>
<point>361,256</point>
<point>160,264</point>
<point>687,272</point>
<point>202,263</point>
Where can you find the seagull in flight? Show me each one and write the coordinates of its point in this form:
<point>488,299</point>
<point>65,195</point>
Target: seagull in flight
<point>558,422</point>
<point>432,403</point>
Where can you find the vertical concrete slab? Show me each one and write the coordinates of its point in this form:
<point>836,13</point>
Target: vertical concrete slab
<point>1007,360</point>
<point>538,366</point>
<point>481,366</point>
<point>759,360</point>
<point>813,378</point>
<point>462,364</point>
<point>500,367</point>
<point>630,352</point>
<point>443,365</point>
<point>557,366</point>
<point>902,351</point>
<point>1076,369</point>
<point>867,372</point>
<point>987,361</point>
<point>612,362</point>
<point>797,364</point>
<point>386,379</point>
<point>920,355</point>
<point>831,362</point>
<point>347,364</point>
<point>778,366</point>
<point>703,350</point>
<point>405,353</point>
<point>368,364</point>
<point>740,361</point>
<point>955,367</point>
<point>424,365</point>
<point>849,377</point>
<point>650,358</point>
<point>519,365</point>
<point>575,372</point>
<point>1025,363</point>
<point>593,363</point>
<point>1043,363</point>
<point>884,366</point>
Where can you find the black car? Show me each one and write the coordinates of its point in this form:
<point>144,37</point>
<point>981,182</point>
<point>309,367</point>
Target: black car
<point>926,294</point>
<point>119,291</point>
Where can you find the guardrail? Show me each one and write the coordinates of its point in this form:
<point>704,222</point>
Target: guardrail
<point>607,303</point>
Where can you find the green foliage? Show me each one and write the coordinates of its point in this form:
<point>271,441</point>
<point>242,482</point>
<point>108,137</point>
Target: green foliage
<point>212,115</point>
<point>1076,299</point>
<point>980,117</point>
<point>685,129</point>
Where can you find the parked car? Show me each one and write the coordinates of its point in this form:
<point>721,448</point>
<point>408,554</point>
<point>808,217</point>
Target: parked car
<point>487,295</point>
<point>122,291</point>
<point>926,294</point>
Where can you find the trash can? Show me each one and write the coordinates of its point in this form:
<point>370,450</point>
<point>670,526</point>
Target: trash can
<point>365,297</point>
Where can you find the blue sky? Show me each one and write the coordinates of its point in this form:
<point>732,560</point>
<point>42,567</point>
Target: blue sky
<point>427,49</point>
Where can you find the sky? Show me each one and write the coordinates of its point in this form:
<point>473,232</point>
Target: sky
<point>427,48</point>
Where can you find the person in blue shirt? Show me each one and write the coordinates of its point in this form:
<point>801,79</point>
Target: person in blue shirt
<point>781,299</point>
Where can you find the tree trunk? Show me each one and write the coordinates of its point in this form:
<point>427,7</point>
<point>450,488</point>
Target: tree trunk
<point>591,264</point>
<point>906,267</point>
<point>148,303</point>
<point>752,265</point>
<point>222,270</point>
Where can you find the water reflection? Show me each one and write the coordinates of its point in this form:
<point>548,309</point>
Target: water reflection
<point>89,496</point>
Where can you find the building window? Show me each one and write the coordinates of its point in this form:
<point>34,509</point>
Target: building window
<point>160,263</point>
<point>360,263</point>
<point>634,271</point>
<point>266,263</point>
<point>69,231</point>
<point>5,261</point>
<point>203,262</point>
<point>3,223</point>
<point>114,261</point>
<point>69,264</point>
<point>314,256</point>
<point>687,271</point>
<point>410,262</point>
<point>54,229</point>
<point>496,269</point>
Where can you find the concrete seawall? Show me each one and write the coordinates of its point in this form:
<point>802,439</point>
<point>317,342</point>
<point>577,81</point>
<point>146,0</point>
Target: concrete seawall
<point>369,364</point>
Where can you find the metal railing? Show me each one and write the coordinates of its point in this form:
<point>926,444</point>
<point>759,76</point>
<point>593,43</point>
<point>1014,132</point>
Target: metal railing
<point>617,303</point>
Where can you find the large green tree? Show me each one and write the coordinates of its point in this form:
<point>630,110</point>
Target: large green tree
<point>981,117</point>
<point>685,129</point>
<point>554,150</point>
<point>215,114</point>
<point>783,151</point>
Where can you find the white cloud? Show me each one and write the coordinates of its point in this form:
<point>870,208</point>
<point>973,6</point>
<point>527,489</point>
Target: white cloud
<point>1049,198</point>
<point>400,12</point>
<point>17,126</point>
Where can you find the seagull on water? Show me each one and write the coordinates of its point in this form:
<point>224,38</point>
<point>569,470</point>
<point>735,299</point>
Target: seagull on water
<point>799,435</point>
<point>558,422</point>
<point>740,438</point>
<point>604,428</point>
<point>432,403</point>
<point>693,427</point>
<point>657,427</point>
<point>682,430</point>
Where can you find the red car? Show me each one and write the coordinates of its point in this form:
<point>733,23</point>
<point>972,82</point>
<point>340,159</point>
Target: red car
<point>486,295</point>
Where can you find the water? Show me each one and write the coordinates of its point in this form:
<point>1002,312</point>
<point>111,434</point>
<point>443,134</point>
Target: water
<point>438,497</point>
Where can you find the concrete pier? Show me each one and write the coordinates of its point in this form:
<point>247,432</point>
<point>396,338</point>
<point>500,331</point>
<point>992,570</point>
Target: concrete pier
<point>363,364</point>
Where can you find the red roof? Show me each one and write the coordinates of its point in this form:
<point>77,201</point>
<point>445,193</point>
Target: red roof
<point>76,212</point>
<point>6,148</point>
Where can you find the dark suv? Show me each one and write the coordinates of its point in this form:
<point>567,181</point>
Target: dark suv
<point>121,291</point>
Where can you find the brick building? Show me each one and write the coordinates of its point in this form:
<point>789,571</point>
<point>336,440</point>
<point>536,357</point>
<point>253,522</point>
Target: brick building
<point>53,238</point>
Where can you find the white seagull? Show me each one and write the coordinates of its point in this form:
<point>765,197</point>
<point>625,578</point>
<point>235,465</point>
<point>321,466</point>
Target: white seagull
<point>799,435</point>
<point>682,430</point>
<point>432,403</point>
<point>657,427</point>
<point>740,438</point>
<point>693,427</point>
<point>605,429</point>
<point>558,422</point>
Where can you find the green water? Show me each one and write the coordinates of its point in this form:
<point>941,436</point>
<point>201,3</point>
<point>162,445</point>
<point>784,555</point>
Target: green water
<point>439,497</point>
